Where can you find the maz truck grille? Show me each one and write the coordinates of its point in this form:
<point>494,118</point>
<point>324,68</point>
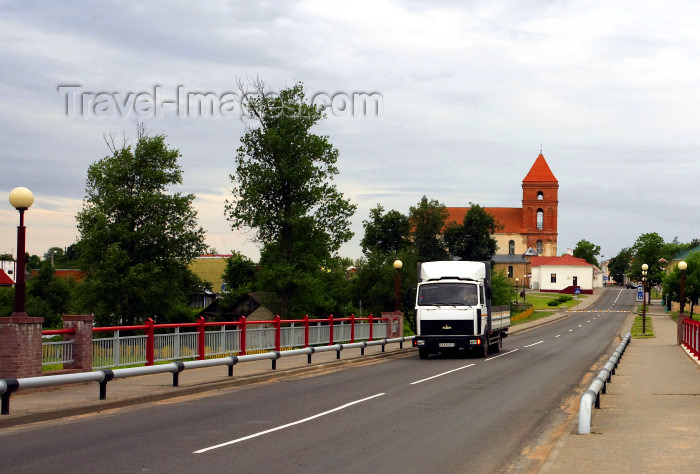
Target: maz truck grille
<point>447,328</point>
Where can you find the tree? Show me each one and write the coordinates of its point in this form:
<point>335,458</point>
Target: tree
<point>385,233</point>
<point>282,188</point>
<point>671,283</point>
<point>502,289</point>
<point>587,251</point>
<point>136,237</point>
<point>649,249</point>
<point>620,264</point>
<point>473,239</point>
<point>427,223</point>
<point>48,297</point>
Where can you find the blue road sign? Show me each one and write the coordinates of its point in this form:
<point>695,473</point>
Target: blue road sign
<point>640,293</point>
<point>578,291</point>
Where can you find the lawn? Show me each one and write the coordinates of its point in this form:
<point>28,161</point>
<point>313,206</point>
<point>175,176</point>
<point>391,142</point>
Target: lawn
<point>539,301</point>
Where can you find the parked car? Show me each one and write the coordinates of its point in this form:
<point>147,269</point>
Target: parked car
<point>631,285</point>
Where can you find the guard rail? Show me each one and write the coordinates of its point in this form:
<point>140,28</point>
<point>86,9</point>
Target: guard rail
<point>103,376</point>
<point>591,396</point>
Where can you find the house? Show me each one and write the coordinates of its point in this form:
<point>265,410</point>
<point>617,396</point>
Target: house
<point>5,280</point>
<point>562,274</point>
<point>210,268</point>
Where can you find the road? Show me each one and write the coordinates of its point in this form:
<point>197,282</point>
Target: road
<point>444,414</point>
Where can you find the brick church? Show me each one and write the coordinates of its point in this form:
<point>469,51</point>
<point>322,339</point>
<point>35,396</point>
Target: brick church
<point>530,230</point>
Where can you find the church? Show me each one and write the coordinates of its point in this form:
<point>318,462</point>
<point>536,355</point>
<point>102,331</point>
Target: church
<point>527,231</point>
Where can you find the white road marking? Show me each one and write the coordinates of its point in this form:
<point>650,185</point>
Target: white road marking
<point>496,357</point>
<point>570,330</point>
<point>287,425</point>
<point>558,335</point>
<point>440,375</point>
<point>530,345</point>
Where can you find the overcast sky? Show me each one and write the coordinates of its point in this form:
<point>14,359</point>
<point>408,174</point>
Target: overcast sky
<point>468,92</point>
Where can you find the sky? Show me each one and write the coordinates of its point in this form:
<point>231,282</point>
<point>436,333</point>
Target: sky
<point>459,98</point>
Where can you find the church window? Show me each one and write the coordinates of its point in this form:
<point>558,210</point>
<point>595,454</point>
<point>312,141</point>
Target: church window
<point>540,219</point>
<point>540,195</point>
<point>539,247</point>
<point>510,271</point>
<point>511,247</point>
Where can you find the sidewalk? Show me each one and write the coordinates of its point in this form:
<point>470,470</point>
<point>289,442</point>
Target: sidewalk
<point>649,420</point>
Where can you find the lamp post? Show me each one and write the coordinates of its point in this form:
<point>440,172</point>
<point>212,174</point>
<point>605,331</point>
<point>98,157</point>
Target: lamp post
<point>645,267</point>
<point>681,266</point>
<point>21,199</point>
<point>517,280</point>
<point>397,285</point>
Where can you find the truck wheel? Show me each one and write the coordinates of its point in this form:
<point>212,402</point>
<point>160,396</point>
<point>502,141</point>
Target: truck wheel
<point>423,353</point>
<point>486,349</point>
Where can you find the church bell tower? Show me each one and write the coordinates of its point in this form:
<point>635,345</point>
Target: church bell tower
<point>540,201</point>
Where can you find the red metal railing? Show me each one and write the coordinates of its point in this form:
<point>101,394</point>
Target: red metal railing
<point>149,329</point>
<point>691,336</point>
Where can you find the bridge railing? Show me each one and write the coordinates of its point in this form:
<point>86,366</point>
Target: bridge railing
<point>691,336</point>
<point>193,340</point>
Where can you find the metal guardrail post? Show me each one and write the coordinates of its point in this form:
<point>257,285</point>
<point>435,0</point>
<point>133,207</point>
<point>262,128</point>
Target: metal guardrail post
<point>150,341</point>
<point>201,339</point>
<point>7,387</point>
<point>109,376</point>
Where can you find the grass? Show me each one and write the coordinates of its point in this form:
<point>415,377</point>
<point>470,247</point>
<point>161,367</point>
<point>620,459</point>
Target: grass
<point>539,301</point>
<point>637,328</point>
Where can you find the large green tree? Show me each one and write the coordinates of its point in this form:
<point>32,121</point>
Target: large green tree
<point>385,232</point>
<point>427,225</point>
<point>137,236</point>
<point>473,239</point>
<point>587,251</point>
<point>283,189</point>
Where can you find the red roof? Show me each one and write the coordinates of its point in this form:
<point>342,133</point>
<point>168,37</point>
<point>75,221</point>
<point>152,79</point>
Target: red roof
<point>508,217</point>
<point>540,171</point>
<point>4,279</point>
<point>566,260</point>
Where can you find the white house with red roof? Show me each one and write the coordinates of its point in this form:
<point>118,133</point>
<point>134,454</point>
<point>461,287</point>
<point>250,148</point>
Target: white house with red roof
<point>562,274</point>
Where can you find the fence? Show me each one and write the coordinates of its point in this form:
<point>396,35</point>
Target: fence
<point>691,336</point>
<point>193,341</point>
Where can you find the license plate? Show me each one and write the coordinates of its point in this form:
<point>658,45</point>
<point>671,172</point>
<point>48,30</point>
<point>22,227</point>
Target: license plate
<point>446,344</point>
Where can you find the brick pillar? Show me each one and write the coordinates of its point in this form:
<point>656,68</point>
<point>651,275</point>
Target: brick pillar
<point>20,346</point>
<point>82,341</point>
<point>394,324</point>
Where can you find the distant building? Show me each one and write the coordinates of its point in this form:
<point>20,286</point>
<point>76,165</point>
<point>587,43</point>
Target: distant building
<point>563,274</point>
<point>210,268</point>
<point>528,230</point>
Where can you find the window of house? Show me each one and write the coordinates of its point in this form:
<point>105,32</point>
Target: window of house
<point>511,247</point>
<point>540,219</point>
<point>554,278</point>
<point>510,271</point>
<point>539,247</point>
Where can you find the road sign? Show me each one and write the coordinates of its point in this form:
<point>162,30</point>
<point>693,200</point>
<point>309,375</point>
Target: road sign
<point>578,291</point>
<point>640,293</point>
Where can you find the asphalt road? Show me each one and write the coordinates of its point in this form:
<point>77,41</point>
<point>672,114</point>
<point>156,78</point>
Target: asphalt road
<point>444,414</point>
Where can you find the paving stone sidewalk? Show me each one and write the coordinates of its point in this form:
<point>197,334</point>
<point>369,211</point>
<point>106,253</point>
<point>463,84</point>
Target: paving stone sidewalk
<point>649,420</point>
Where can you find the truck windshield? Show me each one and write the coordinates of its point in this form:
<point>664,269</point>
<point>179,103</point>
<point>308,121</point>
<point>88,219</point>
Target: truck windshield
<point>451,294</point>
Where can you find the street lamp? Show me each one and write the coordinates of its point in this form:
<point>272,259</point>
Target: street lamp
<point>397,285</point>
<point>645,267</point>
<point>682,267</point>
<point>517,280</point>
<point>21,199</point>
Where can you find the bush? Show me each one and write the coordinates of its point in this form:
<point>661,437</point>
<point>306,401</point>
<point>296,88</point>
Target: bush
<point>565,298</point>
<point>553,303</point>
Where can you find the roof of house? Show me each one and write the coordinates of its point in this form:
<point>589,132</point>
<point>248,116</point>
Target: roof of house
<point>509,258</point>
<point>563,261</point>
<point>510,218</point>
<point>4,279</point>
<point>540,171</point>
<point>684,254</point>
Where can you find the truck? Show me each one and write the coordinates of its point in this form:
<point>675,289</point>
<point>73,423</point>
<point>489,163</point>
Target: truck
<point>453,309</point>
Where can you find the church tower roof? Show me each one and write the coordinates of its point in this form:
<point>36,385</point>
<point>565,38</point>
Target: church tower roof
<point>540,172</point>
